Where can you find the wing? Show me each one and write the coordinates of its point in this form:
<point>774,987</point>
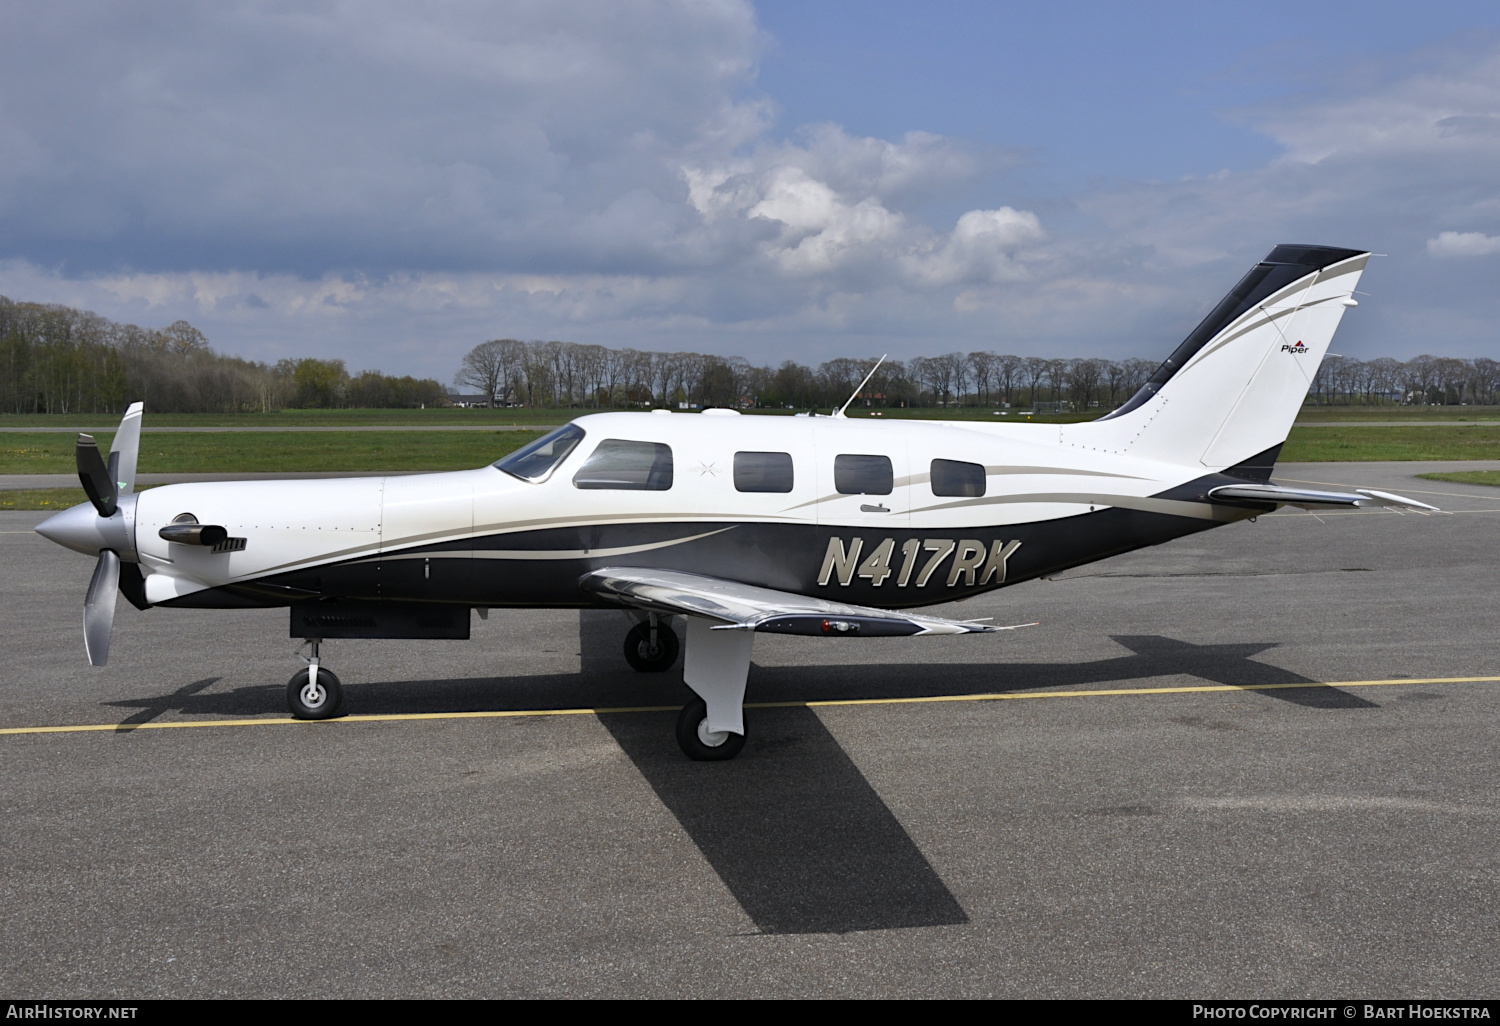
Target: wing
<point>748,608</point>
<point>1255,494</point>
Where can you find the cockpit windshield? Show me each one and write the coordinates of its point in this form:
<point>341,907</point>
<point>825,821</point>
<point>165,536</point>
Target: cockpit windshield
<point>536,461</point>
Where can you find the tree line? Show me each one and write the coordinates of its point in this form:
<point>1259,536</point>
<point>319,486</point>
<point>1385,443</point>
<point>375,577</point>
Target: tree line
<point>55,359</point>
<point>576,375</point>
<point>572,374</point>
<point>1420,381</point>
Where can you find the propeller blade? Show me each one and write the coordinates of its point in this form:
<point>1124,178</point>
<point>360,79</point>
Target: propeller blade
<point>95,476</point>
<point>99,608</point>
<point>133,585</point>
<point>126,448</point>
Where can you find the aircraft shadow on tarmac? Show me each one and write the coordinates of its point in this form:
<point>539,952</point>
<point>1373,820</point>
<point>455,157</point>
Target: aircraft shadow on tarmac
<point>792,827</point>
<point>604,681</point>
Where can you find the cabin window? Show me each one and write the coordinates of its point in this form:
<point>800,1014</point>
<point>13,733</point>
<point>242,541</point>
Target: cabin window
<point>535,462</point>
<point>763,471</point>
<point>862,475</point>
<point>950,477</point>
<point>626,465</point>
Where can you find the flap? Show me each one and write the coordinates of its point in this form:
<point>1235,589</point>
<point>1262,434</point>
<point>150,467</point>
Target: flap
<point>746,607</point>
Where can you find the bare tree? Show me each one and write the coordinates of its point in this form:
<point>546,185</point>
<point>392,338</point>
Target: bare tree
<point>1083,382</point>
<point>1484,380</point>
<point>1450,379</point>
<point>483,368</point>
<point>1134,373</point>
<point>1385,376</point>
<point>1418,378</point>
<point>1034,368</point>
<point>982,372</point>
<point>1008,373</point>
<point>1057,375</point>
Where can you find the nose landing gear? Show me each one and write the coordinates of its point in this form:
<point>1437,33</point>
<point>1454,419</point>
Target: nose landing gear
<point>314,693</point>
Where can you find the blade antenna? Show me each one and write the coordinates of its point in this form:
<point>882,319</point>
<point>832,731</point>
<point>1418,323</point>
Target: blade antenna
<point>862,385</point>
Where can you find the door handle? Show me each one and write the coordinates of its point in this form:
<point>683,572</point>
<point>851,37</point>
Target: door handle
<point>873,509</point>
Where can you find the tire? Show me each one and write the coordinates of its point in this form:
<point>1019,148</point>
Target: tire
<point>641,656</point>
<point>325,705</point>
<point>691,724</point>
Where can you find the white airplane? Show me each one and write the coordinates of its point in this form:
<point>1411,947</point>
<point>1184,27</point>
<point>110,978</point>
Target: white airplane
<point>825,526</point>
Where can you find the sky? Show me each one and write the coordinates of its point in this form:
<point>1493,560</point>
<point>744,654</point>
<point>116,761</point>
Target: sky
<point>393,183</point>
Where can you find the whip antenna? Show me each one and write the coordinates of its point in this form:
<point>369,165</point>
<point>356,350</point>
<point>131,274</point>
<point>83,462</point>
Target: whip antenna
<point>862,385</point>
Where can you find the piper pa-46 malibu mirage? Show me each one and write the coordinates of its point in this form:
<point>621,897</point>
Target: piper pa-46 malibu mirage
<point>826,526</point>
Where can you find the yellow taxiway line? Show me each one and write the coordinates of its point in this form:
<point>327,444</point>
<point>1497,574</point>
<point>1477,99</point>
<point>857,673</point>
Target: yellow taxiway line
<point>513,713</point>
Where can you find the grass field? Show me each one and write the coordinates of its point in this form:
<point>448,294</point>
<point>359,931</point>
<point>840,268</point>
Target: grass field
<point>1334,444</point>
<point>1397,414</point>
<point>1479,477</point>
<point>41,498</point>
<point>44,498</point>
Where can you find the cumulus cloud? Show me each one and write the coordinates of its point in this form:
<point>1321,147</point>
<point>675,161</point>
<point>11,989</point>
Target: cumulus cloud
<point>1463,244</point>
<point>375,136</point>
<point>393,183</point>
<point>982,247</point>
<point>831,202</point>
<point>377,143</point>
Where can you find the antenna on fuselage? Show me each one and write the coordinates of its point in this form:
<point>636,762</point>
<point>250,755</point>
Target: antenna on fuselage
<point>840,411</point>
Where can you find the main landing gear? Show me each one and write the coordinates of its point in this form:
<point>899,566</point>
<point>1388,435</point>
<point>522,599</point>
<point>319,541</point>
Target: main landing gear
<point>314,693</point>
<point>710,728</point>
<point>698,742</point>
<point>651,646</point>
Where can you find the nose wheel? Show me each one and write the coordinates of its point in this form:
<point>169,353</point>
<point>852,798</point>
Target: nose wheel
<point>314,693</point>
<point>652,646</point>
<point>316,699</point>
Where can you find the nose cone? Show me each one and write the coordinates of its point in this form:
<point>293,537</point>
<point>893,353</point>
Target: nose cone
<point>77,528</point>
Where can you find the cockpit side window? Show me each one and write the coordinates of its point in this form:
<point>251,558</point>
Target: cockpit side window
<point>535,462</point>
<point>950,477</point>
<point>619,463</point>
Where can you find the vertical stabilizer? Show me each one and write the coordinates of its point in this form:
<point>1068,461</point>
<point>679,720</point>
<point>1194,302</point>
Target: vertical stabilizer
<point>1234,386</point>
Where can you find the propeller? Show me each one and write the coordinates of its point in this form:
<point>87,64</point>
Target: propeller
<point>98,480</point>
<point>99,607</point>
<point>105,482</point>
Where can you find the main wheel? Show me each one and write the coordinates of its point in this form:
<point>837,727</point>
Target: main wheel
<point>698,742</point>
<point>648,658</point>
<point>314,701</point>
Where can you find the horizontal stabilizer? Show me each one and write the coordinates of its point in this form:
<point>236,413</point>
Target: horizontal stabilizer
<point>1307,498</point>
<point>746,607</point>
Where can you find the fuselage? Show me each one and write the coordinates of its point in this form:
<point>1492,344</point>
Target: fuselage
<point>930,512</point>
